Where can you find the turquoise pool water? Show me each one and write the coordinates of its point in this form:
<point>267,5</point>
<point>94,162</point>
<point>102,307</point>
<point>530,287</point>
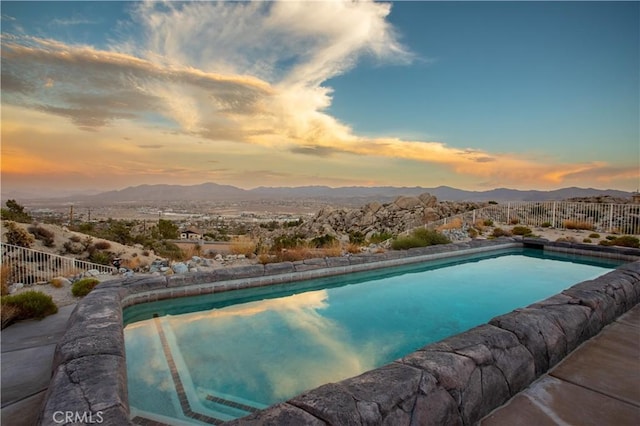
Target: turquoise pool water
<point>218,357</point>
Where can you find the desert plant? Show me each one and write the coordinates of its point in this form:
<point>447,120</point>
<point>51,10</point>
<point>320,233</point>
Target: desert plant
<point>594,235</point>
<point>75,239</point>
<point>380,237</point>
<point>521,230</point>
<point>30,304</point>
<point>17,236</point>
<point>242,245</point>
<point>325,240</point>
<point>488,222</point>
<point>102,245</point>
<point>587,240</point>
<point>514,221</point>
<point>43,234</point>
<point>577,224</point>
<point>101,257</point>
<point>8,314</point>
<point>499,232</point>
<point>626,241</point>
<point>473,232</point>
<point>356,237</point>
<point>334,250</point>
<point>455,223</point>
<point>611,237</point>
<point>419,238</point>
<point>84,286</point>
<point>57,283</point>
<point>546,224</point>
<point>5,273</point>
<point>353,248</point>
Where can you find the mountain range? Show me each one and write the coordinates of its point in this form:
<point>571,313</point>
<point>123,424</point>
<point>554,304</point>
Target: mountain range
<point>216,192</point>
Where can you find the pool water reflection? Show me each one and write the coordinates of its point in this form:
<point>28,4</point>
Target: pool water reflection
<point>225,361</point>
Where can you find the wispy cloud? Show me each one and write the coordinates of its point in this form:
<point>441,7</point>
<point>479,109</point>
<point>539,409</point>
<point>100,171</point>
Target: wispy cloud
<point>251,73</point>
<point>73,21</point>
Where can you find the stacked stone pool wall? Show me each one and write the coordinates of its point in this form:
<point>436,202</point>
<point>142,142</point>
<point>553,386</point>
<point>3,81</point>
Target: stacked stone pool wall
<point>455,381</point>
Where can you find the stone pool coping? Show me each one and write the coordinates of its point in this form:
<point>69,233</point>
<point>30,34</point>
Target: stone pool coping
<point>454,381</point>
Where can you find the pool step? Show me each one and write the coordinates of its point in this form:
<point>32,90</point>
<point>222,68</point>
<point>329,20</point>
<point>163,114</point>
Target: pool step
<point>232,404</point>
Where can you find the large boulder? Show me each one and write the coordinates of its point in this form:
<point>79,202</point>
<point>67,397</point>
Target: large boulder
<point>407,203</point>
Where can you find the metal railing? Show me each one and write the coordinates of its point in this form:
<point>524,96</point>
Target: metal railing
<point>27,266</point>
<point>611,218</point>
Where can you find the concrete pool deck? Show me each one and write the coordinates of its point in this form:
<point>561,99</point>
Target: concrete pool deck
<point>597,384</point>
<point>89,369</point>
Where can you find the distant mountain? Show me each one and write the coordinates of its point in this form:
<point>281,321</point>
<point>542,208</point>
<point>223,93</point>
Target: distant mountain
<point>216,192</point>
<point>160,192</point>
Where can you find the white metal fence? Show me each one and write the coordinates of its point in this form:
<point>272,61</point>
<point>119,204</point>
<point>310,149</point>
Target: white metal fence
<point>27,266</point>
<point>612,218</point>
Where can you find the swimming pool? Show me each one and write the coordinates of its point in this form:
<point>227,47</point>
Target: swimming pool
<point>221,356</point>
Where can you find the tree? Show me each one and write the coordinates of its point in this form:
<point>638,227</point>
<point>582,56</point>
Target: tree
<point>167,229</point>
<point>17,236</point>
<point>15,212</point>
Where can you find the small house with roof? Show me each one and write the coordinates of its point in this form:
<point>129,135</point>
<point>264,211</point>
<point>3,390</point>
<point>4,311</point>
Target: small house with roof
<point>190,234</point>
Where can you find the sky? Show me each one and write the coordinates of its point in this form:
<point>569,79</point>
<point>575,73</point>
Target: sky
<point>474,95</point>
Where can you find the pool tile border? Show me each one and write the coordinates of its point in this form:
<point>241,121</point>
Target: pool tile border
<point>455,381</point>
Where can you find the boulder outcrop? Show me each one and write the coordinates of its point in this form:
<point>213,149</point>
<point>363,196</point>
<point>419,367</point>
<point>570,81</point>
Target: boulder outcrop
<point>404,213</point>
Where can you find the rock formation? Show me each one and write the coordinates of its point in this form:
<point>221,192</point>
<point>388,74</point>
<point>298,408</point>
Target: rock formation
<point>403,214</point>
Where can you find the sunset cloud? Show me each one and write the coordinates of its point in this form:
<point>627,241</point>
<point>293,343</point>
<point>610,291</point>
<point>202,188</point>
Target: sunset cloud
<point>244,73</point>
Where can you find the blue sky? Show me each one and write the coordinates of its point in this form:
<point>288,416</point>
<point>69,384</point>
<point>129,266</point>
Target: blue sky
<point>529,95</point>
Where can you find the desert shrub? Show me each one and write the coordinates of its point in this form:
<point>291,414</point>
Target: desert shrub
<point>587,240</point>
<point>8,314</point>
<point>567,240</point>
<point>455,223</point>
<point>243,245</point>
<point>546,224</point>
<point>380,237</point>
<point>294,254</point>
<point>82,287</point>
<point>473,233</point>
<point>72,247</point>
<point>626,241</point>
<point>43,234</point>
<point>101,257</point>
<point>521,230</point>
<point>17,236</point>
<point>488,222</point>
<point>611,237</point>
<point>5,272</point>
<point>594,235</point>
<point>30,304</point>
<point>577,224</point>
<point>168,249</point>
<point>75,239</point>
<point>514,221</point>
<point>325,240</point>
<point>499,232</point>
<point>287,242</point>
<point>146,253</point>
<point>356,237</point>
<point>353,248</point>
<point>334,250</point>
<point>102,245</point>
<point>57,283</point>
<point>419,238</point>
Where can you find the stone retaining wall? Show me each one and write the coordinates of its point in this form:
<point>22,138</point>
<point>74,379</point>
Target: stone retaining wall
<point>455,381</point>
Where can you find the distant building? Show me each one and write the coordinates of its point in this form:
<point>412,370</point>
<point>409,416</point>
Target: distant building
<point>636,197</point>
<point>190,234</point>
